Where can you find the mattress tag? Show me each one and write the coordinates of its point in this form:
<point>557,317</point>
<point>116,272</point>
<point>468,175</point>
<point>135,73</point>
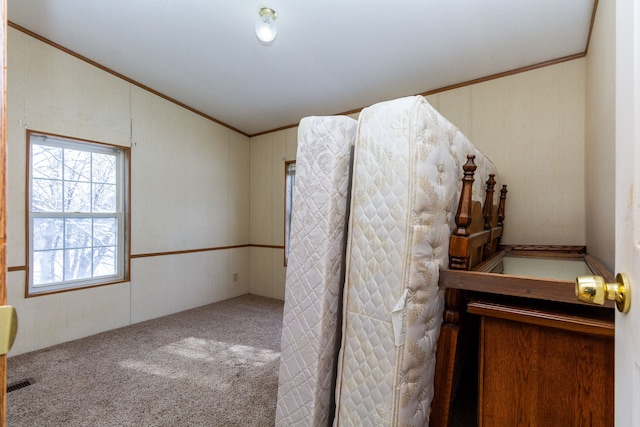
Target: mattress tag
<point>398,316</point>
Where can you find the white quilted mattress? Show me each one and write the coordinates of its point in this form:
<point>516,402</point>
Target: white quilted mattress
<point>406,177</point>
<point>315,272</point>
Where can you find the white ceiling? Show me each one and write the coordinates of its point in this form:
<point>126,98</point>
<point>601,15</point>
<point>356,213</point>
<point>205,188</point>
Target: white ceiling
<point>329,57</point>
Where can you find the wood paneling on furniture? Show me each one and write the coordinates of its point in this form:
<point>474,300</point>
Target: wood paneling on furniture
<point>543,368</point>
<point>544,358</point>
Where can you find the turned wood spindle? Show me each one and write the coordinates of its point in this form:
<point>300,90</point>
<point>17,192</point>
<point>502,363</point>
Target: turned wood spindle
<point>503,198</point>
<point>487,212</point>
<point>463,215</point>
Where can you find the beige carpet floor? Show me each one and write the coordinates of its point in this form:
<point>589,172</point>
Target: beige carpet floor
<point>216,365</point>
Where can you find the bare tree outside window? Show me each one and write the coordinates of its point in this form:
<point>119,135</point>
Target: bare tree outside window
<point>76,213</point>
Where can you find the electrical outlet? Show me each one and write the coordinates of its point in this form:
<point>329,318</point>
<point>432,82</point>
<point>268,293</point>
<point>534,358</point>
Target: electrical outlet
<point>235,277</point>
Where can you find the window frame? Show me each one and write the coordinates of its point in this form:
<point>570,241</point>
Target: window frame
<point>122,213</point>
<point>289,185</point>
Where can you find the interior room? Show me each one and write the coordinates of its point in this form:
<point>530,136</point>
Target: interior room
<point>206,195</point>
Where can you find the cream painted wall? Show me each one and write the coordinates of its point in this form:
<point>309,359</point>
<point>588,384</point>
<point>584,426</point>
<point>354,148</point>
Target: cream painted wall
<point>268,154</point>
<point>530,124</point>
<point>189,190</point>
<point>600,136</point>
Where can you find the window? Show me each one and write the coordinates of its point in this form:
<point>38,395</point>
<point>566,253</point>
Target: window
<point>76,213</point>
<point>290,181</point>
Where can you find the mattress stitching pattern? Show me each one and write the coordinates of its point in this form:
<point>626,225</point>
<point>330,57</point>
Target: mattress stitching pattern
<point>314,279</point>
<point>370,368</point>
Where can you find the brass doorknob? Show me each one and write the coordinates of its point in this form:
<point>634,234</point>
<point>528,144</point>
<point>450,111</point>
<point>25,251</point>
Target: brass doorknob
<point>594,290</point>
<point>8,328</point>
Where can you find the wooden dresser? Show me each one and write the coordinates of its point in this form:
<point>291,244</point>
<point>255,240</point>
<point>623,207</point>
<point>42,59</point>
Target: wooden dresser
<point>543,358</point>
<point>516,347</point>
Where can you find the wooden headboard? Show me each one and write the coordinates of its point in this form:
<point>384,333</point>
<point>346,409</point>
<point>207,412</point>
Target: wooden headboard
<point>475,239</point>
<point>478,230</point>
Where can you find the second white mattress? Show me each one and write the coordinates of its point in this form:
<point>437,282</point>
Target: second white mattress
<point>407,164</point>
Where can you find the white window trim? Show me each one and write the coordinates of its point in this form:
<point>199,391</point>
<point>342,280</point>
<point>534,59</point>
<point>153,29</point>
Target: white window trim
<point>120,214</point>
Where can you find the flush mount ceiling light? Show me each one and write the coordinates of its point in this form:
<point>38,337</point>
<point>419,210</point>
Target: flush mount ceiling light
<point>266,26</point>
